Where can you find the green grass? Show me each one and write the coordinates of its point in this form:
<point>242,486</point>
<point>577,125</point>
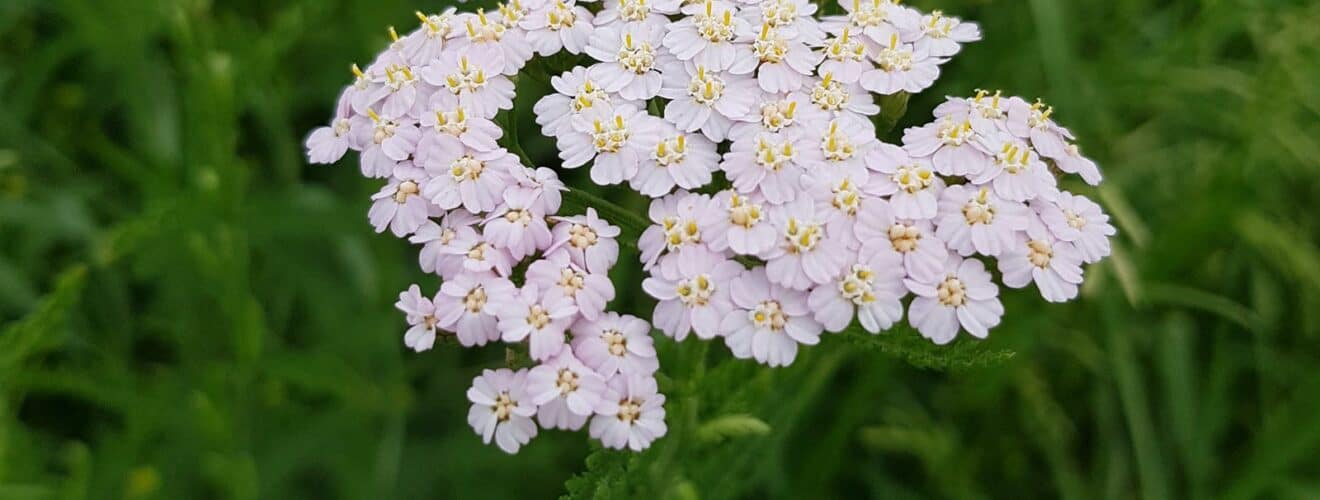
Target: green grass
<point>187,310</point>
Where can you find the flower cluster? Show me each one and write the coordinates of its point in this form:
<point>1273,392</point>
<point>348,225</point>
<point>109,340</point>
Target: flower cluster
<point>777,213</point>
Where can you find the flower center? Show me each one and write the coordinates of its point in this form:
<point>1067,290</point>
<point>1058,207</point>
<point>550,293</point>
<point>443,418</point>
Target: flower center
<point>560,16</point>
<point>939,26</point>
<point>1013,158</point>
<point>1039,253</point>
<point>477,252</point>
<point>768,314</point>
<point>776,115</point>
<point>715,28</point>
<point>384,128</point>
<point>475,300</point>
<point>516,216</point>
<point>568,381</point>
<point>677,232</point>
<point>836,145</point>
<point>452,122</point>
<point>484,30</point>
<point>769,47</point>
<point>705,87</point>
<point>437,25</point>
<point>537,317</point>
<point>743,213</point>
<point>952,133</point>
<point>773,156</point>
<point>618,344</point>
<point>405,190</point>
<point>629,410</point>
<point>868,15</point>
<point>778,13</point>
<point>634,11</point>
<point>342,127</point>
<point>1074,220</point>
<point>893,57</point>
<point>952,292</point>
<point>503,406</point>
<point>466,168</point>
<point>845,48</point>
<point>904,238</point>
<point>571,281</point>
<point>670,151</point>
<point>856,285</point>
<point>802,237</point>
<point>636,57</point>
<point>397,77</point>
<point>696,291</point>
<point>979,210</point>
<point>846,197</point>
<point>989,108</point>
<point>609,137</point>
<point>1040,114</point>
<point>467,79</point>
<point>447,235</point>
<point>581,237</point>
<point>511,13</point>
<point>913,178</point>
<point>829,94</point>
<point>588,96</point>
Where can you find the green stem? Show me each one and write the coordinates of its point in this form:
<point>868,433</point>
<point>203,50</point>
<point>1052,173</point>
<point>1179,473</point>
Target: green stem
<point>892,109</point>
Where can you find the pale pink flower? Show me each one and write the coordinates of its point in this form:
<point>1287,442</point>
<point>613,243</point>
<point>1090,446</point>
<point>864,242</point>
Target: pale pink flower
<point>475,132</point>
<point>556,274</point>
<point>782,62</point>
<point>575,91</point>
<point>923,254</point>
<point>703,99</point>
<point>468,80</point>
<point>588,240</point>
<point>901,68</point>
<point>1073,162</point>
<point>839,200</point>
<point>695,298</point>
<point>839,147</point>
<point>538,189</point>
<point>940,35</point>
<point>1032,122</point>
<point>558,25</point>
<point>502,409</point>
<point>831,97</point>
<point>566,391</point>
<point>463,177</point>
<point>910,183</point>
<point>477,254</point>
<point>972,219</point>
<point>807,253</point>
<point>1054,265</point>
<point>1016,173</point>
<point>632,414</point>
<point>794,19</point>
<point>438,255</point>
<point>679,220</point>
<point>773,113</point>
<point>768,321</point>
<point>845,56</point>
<point>496,41</point>
<point>612,137</point>
<point>541,318</point>
<point>707,36</point>
<point>767,163</point>
<point>1078,220</point>
<point>385,142</point>
<point>629,57</point>
<point>328,144</point>
<point>951,142</point>
<point>629,13</point>
<point>963,297</point>
<point>465,306</point>
<point>425,43</point>
<point>675,159</point>
<point>615,344</point>
<point>876,19</point>
<point>399,205</point>
<point>519,228</point>
<point>742,227</point>
<point>870,287</point>
<point>420,312</point>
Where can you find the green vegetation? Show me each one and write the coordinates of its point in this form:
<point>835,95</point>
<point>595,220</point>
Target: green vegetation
<point>187,310</point>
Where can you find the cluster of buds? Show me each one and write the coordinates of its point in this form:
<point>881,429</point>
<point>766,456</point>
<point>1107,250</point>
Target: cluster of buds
<point>778,215</point>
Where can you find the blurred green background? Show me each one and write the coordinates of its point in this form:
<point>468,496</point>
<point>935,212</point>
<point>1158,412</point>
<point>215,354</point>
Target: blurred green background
<point>188,310</point>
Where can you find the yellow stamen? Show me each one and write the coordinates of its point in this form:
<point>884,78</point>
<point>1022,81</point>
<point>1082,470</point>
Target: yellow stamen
<point>358,72</point>
<point>374,117</point>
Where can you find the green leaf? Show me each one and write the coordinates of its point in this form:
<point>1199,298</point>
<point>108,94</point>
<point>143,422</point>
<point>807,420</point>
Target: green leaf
<point>40,328</point>
<point>907,345</point>
<point>731,427</point>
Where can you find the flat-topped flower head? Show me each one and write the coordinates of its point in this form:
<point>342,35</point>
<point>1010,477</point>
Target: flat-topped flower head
<point>536,316</point>
<point>631,415</point>
<point>420,312</point>
<point>910,183</point>
<point>676,159</point>
<point>615,344</point>
<point>590,292</point>
<point>558,25</point>
<point>807,253</point>
<point>399,205</point>
<point>576,91</point>
<point>940,35</point>
<point>963,298</point>
<point>704,99</point>
<point>742,227</point>
<point>901,68</point>
<point>768,164</point>
<point>465,306</point>
<point>466,79</point>
<point>502,409</point>
<point>588,240</point>
<point>695,298</point>
<point>870,288</point>
<point>628,58</point>
<point>1078,220</point>
<point>973,219</point>
<point>1053,264</point>
<point>566,391</point>
<point>707,36</point>
<point>1016,172</point>
<point>474,180</point>
<point>769,321</point>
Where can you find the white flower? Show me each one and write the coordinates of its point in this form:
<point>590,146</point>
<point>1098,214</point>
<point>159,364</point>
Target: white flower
<point>468,80</point>
<point>474,180</point>
<point>1054,265</point>
<point>871,287</point>
<point>876,19</point>
<point>768,164</point>
<point>328,144</point>
<point>910,183</point>
<point>538,189</point>
<point>1078,220</point>
<point>502,409</point>
<point>791,18</point>
<point>845,56</point>
<point>839,201</point>
<point>477,133</point>
<point>940,35</point>
<point>576,91</point>
<point>974,220</point>
<point>421,316</point>
<point>615,344</point>
<point>705,100</point>
<point>588,240</point>
<point>839,148</point>
<point>399,205</point>
<point>1015,173</point>
<point>437,254</point>
<point>632,415</point>
<point>477,254</point>
<point>675,159</point>
<point>464,306</point>
<point>963,297</point>
<point>502,49</point>
<point>519,228</point>
<point>832,97</point>
<point>385,142</point>
<point>951,143</point>
<point>923,254</point>
<point>538,317</point>
<point>558,25</point>
<point>807,253</point>
<point>900,68</point>
<point>610,136</point>
<point>782,63</point>
<point>426,43</point>
<point>557,274</point>
<point>743,226</point>
<point>566,391</point>
<point>769,321</point>
<point>628,58</point>
<point>772,113</point>
<point>707,37</point>
<point>695,298</point>
<point>650,13</point>
<point>678,234</point>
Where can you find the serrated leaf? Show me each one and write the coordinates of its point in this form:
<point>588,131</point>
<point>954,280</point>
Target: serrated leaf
<point>904,343</point>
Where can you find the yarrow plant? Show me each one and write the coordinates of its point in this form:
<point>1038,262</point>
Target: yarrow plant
<point>777,215</point>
